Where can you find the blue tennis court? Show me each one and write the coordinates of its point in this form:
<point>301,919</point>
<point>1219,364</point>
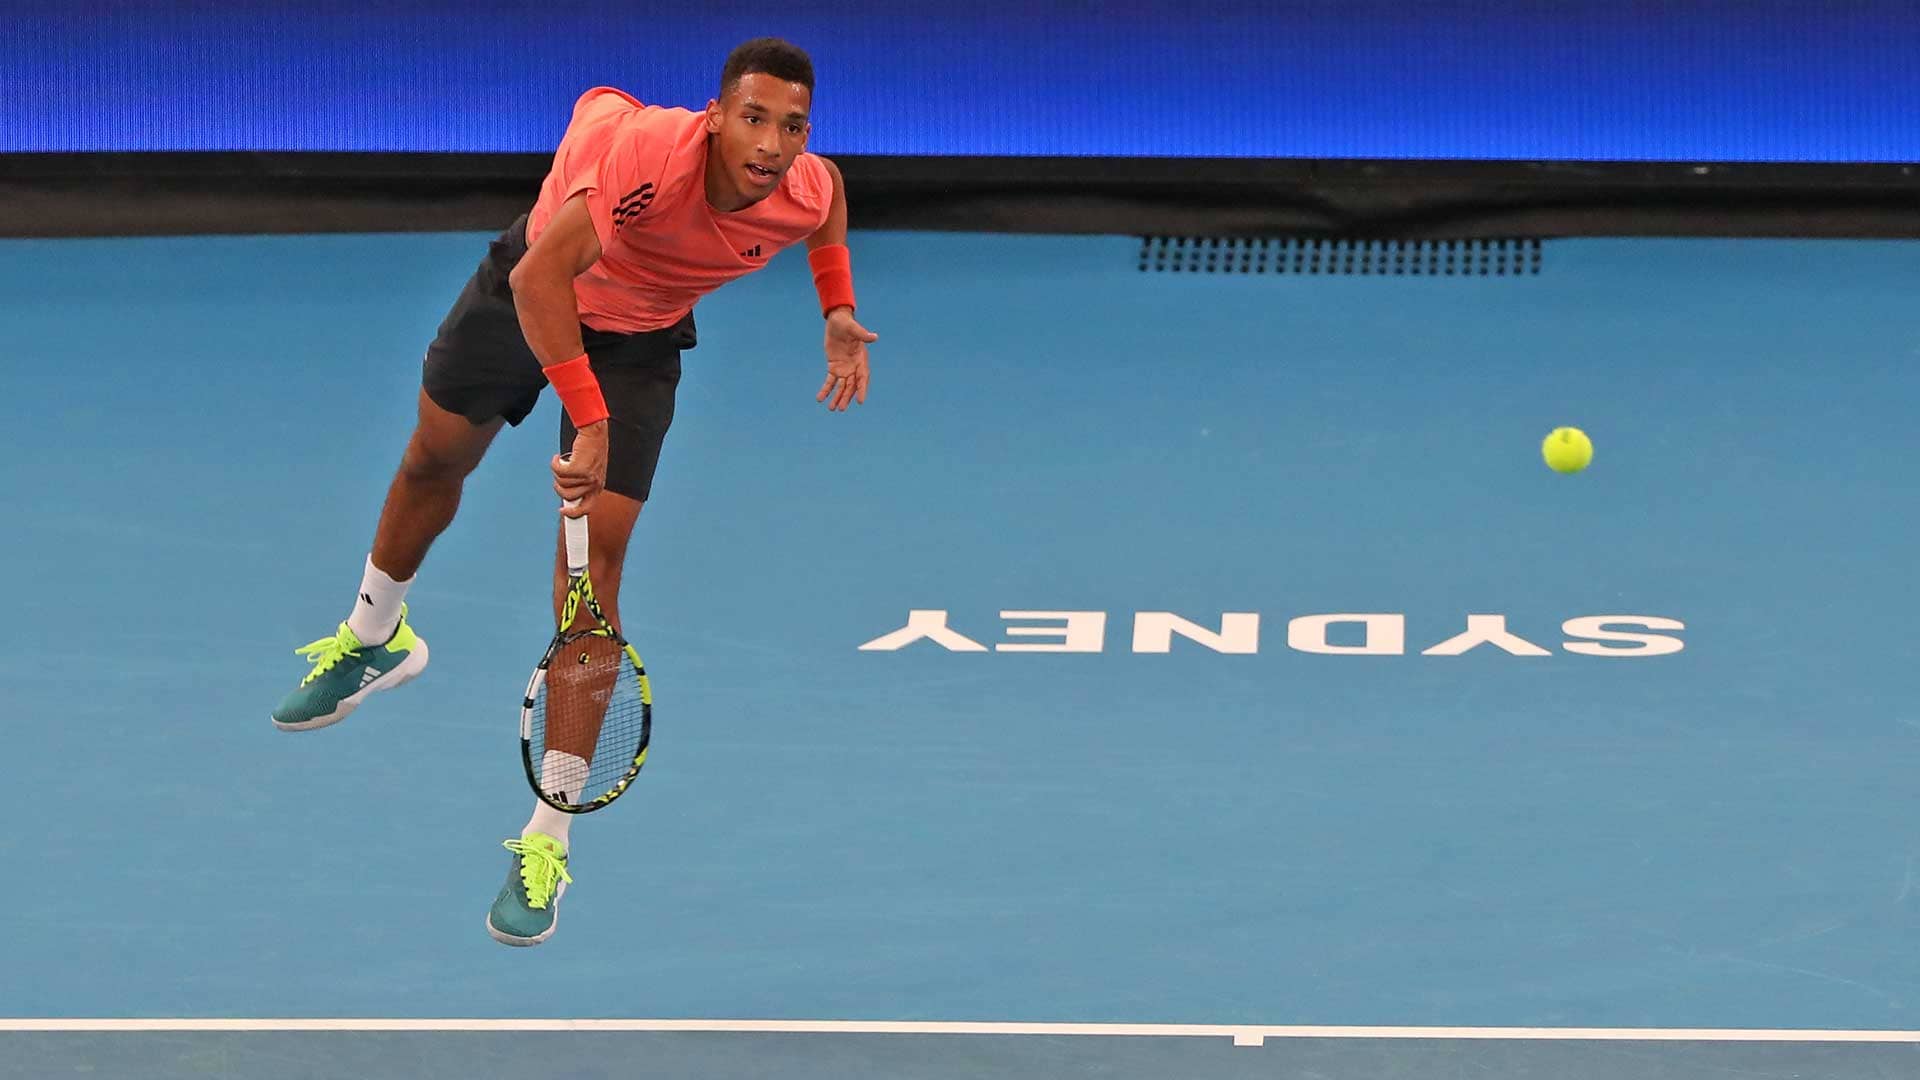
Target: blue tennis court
<point>1289,702</point>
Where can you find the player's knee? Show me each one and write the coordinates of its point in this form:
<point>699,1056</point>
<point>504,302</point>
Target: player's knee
<point>427,462</point>
<point>445,446</point>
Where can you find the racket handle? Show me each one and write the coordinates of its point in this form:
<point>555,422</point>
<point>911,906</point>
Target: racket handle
<point>576,530</point>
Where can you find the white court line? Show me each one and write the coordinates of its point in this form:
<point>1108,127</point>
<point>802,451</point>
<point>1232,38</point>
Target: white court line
<point>1241,1034</point>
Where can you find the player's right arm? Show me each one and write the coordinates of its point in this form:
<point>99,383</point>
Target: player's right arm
<point>543,297</point>
<point>543,282</point>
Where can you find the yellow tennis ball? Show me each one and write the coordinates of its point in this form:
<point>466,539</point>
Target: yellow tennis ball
<point>1567,450</point>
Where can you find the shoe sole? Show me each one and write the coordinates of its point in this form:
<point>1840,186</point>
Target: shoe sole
<point>517,942</point>
<point>505,938</point>
<point>406,672</point>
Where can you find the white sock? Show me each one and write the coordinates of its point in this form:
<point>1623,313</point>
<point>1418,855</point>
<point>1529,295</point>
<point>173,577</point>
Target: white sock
<point>561,774</point>
<point>376,612</point>
<point>549,821</point>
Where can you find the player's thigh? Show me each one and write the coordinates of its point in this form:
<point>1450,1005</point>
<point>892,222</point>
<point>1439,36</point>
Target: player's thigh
<point>639,382</point>
<point>446,443</point>
<point>478,370</point>
<point>609,527</point>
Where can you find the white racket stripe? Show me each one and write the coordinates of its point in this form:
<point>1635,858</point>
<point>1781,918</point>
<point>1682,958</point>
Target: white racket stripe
<point>534,684</point>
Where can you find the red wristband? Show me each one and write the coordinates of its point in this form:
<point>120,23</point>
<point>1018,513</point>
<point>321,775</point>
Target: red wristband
<point>579,391</point>
<point>832,276</point>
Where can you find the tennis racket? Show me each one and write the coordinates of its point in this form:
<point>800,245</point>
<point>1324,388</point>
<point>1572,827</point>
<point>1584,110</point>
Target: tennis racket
<point>588,712</point>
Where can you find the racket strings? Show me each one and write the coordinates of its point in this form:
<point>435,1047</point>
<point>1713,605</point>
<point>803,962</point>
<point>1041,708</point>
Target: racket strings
<point>589,710</point>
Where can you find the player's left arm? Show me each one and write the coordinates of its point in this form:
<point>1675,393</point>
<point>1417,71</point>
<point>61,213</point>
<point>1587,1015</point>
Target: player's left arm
<point>847,340</point>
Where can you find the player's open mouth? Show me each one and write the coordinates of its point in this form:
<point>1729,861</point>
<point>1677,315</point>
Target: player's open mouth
<point>759,173</point>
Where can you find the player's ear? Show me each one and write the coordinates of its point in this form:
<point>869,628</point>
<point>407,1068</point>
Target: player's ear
<point>714,113</point>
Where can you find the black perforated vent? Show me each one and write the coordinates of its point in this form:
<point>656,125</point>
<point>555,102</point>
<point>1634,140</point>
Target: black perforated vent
<point>1321,255</point>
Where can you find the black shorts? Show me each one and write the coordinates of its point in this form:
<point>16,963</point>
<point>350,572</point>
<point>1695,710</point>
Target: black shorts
<point>480,367</point>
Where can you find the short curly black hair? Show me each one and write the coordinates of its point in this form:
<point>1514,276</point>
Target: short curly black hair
<point>770,56</point>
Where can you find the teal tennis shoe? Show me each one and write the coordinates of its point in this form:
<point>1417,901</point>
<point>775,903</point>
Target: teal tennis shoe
<point>345,671</point>
<point>528,907</point>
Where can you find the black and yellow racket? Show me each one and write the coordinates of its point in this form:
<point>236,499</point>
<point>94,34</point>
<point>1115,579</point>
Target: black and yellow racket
<point>588,712</point>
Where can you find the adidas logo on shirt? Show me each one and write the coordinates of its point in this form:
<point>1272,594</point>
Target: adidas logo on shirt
<point>632,203</point>
<point>751,253</point>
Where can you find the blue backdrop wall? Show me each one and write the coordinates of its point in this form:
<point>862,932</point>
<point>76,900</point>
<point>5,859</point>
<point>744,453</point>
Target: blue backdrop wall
<point>1572,79</point>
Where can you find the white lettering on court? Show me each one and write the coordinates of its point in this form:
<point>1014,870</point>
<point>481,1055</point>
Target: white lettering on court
<point>1385,635</point>
<point>1083,631</point>
<point>1239,632</point>
<point>1382,634</point>
<point>1486,630</point>
<point>1595,628</point>
<point>928,625</point>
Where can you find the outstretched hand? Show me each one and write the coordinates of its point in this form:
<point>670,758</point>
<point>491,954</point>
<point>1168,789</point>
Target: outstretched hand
<point>846,347</point>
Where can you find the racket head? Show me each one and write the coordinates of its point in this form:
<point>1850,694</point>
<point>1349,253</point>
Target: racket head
<point>587,716</point>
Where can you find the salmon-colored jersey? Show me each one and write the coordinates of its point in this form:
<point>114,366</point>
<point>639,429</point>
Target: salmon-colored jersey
<point>643,168</point>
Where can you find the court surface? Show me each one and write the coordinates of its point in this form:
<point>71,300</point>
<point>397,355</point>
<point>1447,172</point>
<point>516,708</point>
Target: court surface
<point>1262,843</point>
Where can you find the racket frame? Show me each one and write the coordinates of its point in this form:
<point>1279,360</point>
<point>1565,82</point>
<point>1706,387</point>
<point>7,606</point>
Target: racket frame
<point>580,592</point>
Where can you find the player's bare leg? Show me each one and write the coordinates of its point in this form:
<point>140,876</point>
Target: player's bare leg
<point>425,494</point>
<point>526,910</point>
<point>375,649</point>
<point>577,694</point>
<point>610,528</point>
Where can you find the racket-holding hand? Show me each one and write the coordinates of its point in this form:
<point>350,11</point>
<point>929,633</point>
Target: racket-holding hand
<point>846,348</point>
<point>582,471</point>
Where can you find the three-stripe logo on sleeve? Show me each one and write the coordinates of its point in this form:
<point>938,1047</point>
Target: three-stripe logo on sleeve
<point>632,203</point>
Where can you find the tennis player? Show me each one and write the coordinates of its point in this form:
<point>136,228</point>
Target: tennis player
<point>645,210</point>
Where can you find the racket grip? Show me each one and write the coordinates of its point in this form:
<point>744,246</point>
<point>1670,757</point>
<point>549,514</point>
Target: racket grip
<point>576,530</point>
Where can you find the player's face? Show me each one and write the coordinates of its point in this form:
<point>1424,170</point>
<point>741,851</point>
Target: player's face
<point>761,127</point>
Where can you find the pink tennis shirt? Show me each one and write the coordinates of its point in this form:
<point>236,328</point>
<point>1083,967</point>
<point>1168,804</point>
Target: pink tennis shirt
<point>643,168</point>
